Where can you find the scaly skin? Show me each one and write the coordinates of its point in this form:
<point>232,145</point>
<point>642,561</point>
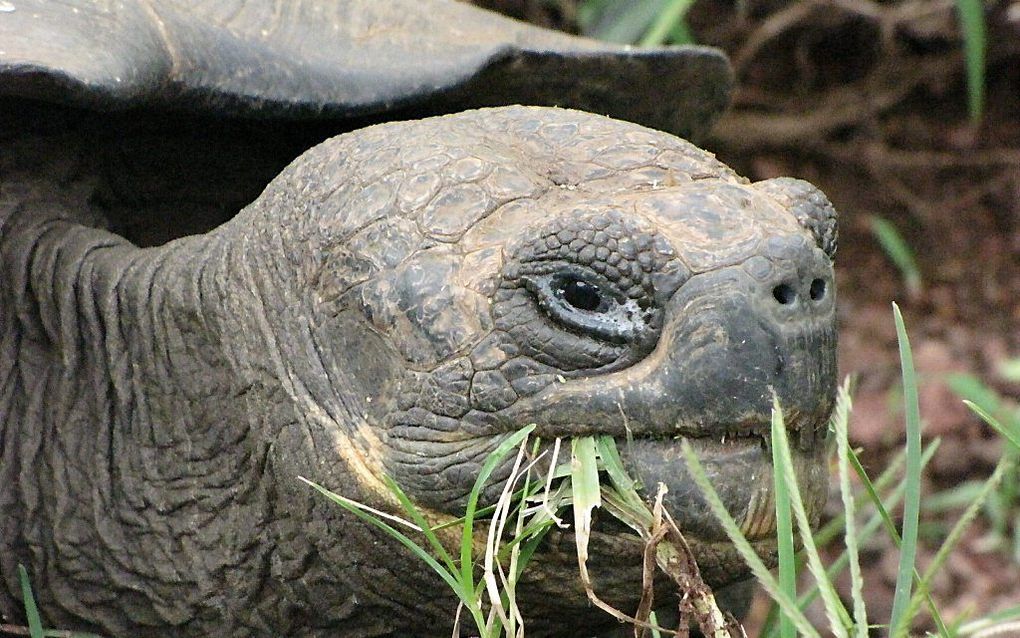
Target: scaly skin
<point>394,303</point>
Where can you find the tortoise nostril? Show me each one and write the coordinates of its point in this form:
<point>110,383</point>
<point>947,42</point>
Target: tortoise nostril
<point>817,291</point>
<point>784,294</point>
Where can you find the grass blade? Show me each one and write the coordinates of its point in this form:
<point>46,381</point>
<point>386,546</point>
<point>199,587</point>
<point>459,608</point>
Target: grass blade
<point>972,21</point>
<point>35,628</point>
<point>419,520</point>
<point>665,23</point>
<point>1010,370</point>
<point>502,603</point>
<point>416,549</point>
<point>990,624</point>
<point>899,252</point>
<point>836,614</point>
<point>491,461</point>
<point>613,21</point>
<point>836,526</point>
<point>1005,464</point>
<point>621,481</point>
<point>784,530</point>
<point>740,542</point>
<point>882,514</point>
<point>584,485</point>
<point>899,623</point>
<point>1012,437</point>
<point>840,421</point>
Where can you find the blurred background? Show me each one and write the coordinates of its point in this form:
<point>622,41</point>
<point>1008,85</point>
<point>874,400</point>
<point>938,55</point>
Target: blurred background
<point>907,114</point>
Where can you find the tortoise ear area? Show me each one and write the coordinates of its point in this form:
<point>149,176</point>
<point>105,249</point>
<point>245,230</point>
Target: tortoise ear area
<point>809,205</point>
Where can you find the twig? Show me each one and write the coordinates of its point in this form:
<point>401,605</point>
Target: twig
<point>773,26</point>
<point>847,106</point>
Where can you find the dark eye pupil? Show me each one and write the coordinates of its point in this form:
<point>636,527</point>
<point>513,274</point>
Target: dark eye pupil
<point>581,294</point>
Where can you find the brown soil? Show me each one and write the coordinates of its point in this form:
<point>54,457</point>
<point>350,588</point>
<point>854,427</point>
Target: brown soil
<point>868,100</point>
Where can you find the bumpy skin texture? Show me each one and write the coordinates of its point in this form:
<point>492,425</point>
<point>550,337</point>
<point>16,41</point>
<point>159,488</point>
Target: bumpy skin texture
<point>395,302</point>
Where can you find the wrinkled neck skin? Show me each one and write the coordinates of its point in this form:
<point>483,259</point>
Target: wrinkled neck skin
<point>144,397</point>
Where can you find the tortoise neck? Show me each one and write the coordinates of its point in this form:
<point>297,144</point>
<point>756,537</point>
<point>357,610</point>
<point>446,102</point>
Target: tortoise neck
<point>115,378</point>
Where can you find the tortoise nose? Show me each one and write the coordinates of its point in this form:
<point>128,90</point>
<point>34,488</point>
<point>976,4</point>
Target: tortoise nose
<point>801,293</point>
<point>795,287</point>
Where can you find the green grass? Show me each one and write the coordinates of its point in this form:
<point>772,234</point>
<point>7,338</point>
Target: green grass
<point>975,45</point>
<point>644,22</point>
<point>1003,507</point>
<point>784,529</point>
<point>898,621</point>
<point>665,546</point>
<point>593,478</point>
<point>899,252</point>
<point>658,22</point>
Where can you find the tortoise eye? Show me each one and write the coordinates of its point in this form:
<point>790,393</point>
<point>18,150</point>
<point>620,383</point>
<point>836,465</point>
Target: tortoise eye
<point>582,302</point>
<point>581,295</point>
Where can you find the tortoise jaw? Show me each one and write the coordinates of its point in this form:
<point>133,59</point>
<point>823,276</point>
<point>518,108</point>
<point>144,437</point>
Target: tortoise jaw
<point>736,457</point>
<point>805,431</point>
<point>739,469</point>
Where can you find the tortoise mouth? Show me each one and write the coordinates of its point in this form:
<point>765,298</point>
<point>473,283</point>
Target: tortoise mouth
<point>740,470</point>
<point>737,459</point>
<point>738,463</point>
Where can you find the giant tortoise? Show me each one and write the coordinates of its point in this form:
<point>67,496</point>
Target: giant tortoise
<point>395,302</point>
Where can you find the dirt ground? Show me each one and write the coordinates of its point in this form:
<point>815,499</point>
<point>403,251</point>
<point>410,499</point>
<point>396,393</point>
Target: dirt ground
<point>868,100</point>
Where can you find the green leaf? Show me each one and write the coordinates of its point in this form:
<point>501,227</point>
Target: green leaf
<point>836,614</point>
<point>358,510</point>
<point>666,22</point>
<point>621,22</point>
<point>416,516</point>
<point>585,490</point>
<point>840,420</point>
<point>1010,369</point>
<point>653,619</point>
<point>1012,437</point>
<point>621,481</point>
<point>989,623</point>
<point>899,623</point>
<point>879,518</point>
<point>1001,469</point>
<point>882,514</point>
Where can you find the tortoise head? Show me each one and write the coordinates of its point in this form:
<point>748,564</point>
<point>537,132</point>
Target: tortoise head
<point>466,276</point>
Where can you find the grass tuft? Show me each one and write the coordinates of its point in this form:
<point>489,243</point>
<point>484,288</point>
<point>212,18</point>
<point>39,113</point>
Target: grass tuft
<point>787,568</point>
